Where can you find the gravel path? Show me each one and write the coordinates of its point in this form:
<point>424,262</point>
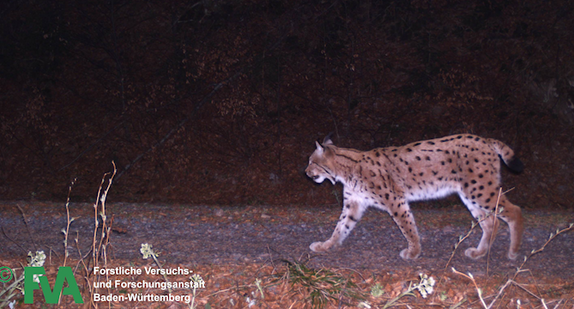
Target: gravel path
<point>217,235</point>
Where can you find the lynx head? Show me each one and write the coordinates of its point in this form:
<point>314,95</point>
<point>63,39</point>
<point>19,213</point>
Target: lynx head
<point>321,162</point>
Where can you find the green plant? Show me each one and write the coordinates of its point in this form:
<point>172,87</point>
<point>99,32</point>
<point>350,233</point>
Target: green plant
<point>323,285</point>
<point>442,296</point>
<point>253,301</point>
<point>425,287</point>
<point>198,281</point>
<point>8,293</point>
<point>259,287</point>
<point>377,290</point>
<point>148,252</point>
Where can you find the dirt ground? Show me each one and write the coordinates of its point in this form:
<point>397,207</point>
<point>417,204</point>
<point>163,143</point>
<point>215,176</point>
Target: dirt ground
<point>219,236</point>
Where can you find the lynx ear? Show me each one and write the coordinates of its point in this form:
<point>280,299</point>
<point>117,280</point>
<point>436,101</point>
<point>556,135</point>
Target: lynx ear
<point>319,147</point>
<point>327,140</point>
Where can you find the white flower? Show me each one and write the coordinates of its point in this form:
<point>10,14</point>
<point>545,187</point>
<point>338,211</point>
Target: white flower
<point>147,251</point>
<point>38,259</point>
<point>426,285</point>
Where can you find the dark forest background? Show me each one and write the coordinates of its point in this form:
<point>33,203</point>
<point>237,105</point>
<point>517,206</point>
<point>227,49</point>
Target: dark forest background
<point>220,102</point>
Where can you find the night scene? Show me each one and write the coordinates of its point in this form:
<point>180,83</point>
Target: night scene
<point>286,154</point>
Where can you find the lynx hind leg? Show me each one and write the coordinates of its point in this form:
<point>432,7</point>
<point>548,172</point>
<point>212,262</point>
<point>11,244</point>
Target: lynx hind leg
<point>512,215</point>
<point>352,213</point>
<point>488,223</point>
<point>404,219</point>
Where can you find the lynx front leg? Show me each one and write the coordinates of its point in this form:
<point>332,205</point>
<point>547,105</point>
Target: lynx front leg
<point>406,222</point>
<point>352,213</point>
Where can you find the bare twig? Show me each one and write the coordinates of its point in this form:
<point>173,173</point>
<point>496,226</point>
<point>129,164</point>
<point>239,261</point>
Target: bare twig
<point>67,230</point>
<point>519,270</point>
<point>471,278</point>
<point>532,253</point>
<point>68,222</point>
<point>12,240</point>
<point>100,248</point>
<point>27,226</point>
<point>494,228</point>
<point>461,239</point>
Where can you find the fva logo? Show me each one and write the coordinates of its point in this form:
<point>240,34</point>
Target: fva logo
<point>50,296</point>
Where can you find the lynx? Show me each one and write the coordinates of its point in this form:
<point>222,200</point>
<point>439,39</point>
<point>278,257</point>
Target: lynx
<point>389,178</point>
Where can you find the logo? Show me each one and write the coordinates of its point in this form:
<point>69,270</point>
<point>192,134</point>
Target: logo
<point>6,274</point>
<point>33,276</point>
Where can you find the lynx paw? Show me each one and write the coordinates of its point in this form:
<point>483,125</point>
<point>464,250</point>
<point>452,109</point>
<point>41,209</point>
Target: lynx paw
<point>319,247</point>
<point>512,255</point>
<point>474,254</point>
<point>409,255</point>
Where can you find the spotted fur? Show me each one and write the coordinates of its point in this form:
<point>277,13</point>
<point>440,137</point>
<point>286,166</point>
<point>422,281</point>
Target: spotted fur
<point>390,178</point>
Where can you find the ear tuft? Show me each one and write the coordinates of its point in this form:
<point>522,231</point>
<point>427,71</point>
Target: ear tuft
<point>327,140</point>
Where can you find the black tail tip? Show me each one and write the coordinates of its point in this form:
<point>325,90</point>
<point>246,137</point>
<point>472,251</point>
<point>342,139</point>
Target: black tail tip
<point>515,165</point>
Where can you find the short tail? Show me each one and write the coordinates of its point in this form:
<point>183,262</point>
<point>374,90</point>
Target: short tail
<point>507,155</point>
